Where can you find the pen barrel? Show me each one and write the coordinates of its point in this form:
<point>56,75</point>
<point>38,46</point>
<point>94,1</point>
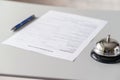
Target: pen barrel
<point>26,21</point>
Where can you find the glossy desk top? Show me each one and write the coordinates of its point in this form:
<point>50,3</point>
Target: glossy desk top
<point>15,61</point>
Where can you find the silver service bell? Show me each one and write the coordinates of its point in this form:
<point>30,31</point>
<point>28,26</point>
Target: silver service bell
<point>106,50</point>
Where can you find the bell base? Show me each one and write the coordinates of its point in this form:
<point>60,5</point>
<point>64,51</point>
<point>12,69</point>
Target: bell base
<point>104,59</point>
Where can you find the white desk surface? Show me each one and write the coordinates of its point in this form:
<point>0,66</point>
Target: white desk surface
<point>15,61</point>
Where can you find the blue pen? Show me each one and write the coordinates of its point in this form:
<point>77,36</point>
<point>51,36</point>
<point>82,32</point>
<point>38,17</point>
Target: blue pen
<point>21,24</point>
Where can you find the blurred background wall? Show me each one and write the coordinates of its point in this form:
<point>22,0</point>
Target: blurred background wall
<point>80,4</point>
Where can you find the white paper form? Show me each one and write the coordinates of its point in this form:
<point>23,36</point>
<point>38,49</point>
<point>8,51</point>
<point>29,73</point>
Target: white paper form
<point>57,34</point>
